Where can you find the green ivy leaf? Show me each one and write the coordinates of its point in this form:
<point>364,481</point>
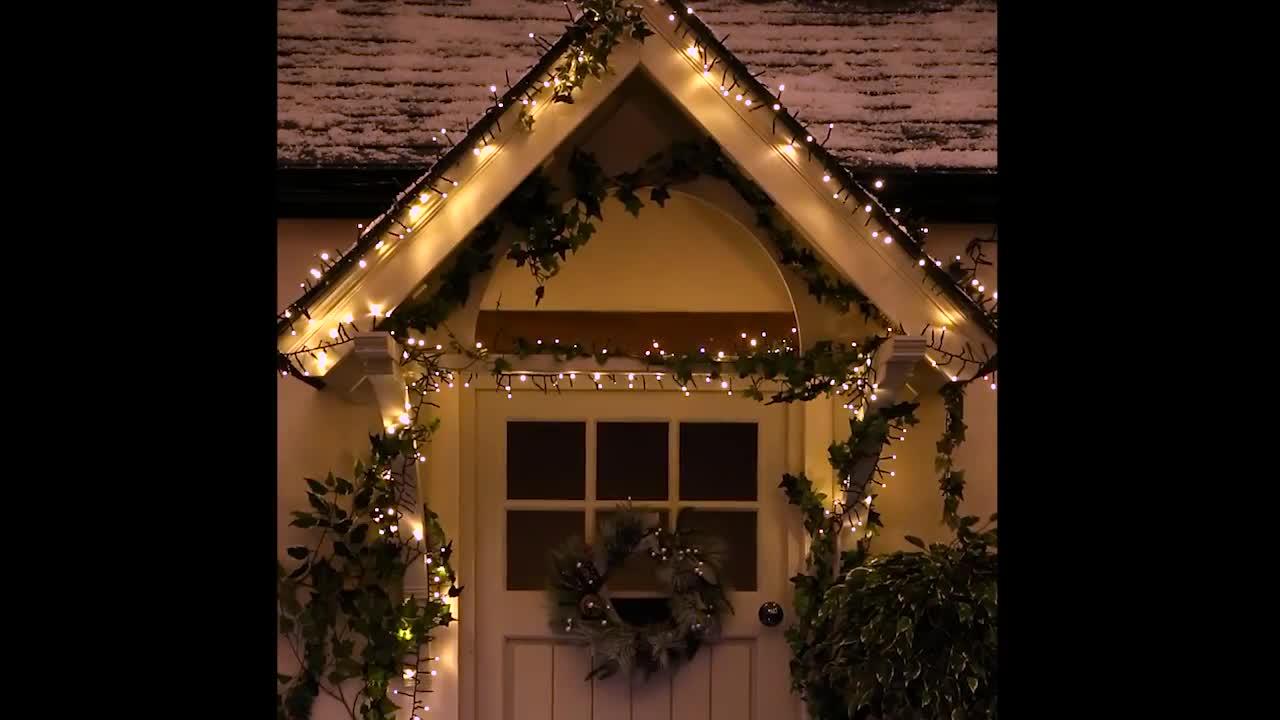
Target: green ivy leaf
<point>298,552</point>
<point>904,624</point>
<point>659,194</point>
<point>361,500</point>
<point>915,541</point>
<point>359,533</point>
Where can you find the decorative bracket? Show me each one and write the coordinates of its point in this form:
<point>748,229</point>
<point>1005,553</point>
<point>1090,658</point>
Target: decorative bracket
<point>371,375</point>
<point>894,363</point>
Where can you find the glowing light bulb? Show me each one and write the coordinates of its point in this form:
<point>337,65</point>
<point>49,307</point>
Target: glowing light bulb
<point>315,272</point>
<point>887,239</point>
<point>879,184</point>
<point>693,51</point>
<point>493,88</point>
<point>363,263</point>
<point>826,178</point>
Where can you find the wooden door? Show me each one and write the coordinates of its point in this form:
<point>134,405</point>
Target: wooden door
<point>549,467</point>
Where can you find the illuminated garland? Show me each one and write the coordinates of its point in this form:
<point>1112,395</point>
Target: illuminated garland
<point>588,54</point>
<point>828,367</point>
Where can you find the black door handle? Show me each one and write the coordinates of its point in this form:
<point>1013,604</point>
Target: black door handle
<point>771,614</point>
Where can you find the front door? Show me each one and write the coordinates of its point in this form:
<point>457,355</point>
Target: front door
<point>551,467</point>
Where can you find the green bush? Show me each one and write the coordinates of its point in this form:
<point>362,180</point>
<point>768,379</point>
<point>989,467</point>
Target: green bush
<point>909,635</point>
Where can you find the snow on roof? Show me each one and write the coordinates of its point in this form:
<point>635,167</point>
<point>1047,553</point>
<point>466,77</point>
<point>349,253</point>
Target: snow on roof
<point>909,83</point>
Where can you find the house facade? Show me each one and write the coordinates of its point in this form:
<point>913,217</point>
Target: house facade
<point>544,446</point>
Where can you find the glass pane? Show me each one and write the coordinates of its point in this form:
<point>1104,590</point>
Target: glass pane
<point>731,534</point>
<point>546,460</point>
<point>638,573</point>
<point>717,461</point>
<point>531,536</point>
<point>631,460</point>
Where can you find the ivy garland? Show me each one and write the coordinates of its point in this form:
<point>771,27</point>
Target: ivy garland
<point>581,608</point>
<point>550,231</point>
<point>607,23</point>
<point>827,367</point>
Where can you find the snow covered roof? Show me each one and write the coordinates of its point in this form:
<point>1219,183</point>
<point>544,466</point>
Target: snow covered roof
<point>908,83</point>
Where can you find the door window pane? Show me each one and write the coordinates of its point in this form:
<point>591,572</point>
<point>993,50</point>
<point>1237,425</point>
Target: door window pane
<point>718,461</point>
<point>631,460</point>
<point>733,534</point>
<point>531,536</point>
<point>546,460</point>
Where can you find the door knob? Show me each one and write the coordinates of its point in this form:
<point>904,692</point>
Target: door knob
<point>771,614</point>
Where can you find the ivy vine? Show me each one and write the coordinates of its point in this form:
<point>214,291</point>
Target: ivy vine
<point>608,22</point>
<point>342,609</point>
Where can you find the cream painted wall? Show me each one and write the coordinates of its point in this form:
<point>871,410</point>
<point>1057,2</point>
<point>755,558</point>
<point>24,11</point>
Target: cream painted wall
<point>686,256</point>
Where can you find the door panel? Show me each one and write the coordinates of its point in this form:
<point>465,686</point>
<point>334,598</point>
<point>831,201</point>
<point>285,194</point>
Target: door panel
<point>559,472</point>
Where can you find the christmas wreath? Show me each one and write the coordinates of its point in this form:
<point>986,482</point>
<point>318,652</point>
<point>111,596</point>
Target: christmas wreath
<point>581,605</point>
